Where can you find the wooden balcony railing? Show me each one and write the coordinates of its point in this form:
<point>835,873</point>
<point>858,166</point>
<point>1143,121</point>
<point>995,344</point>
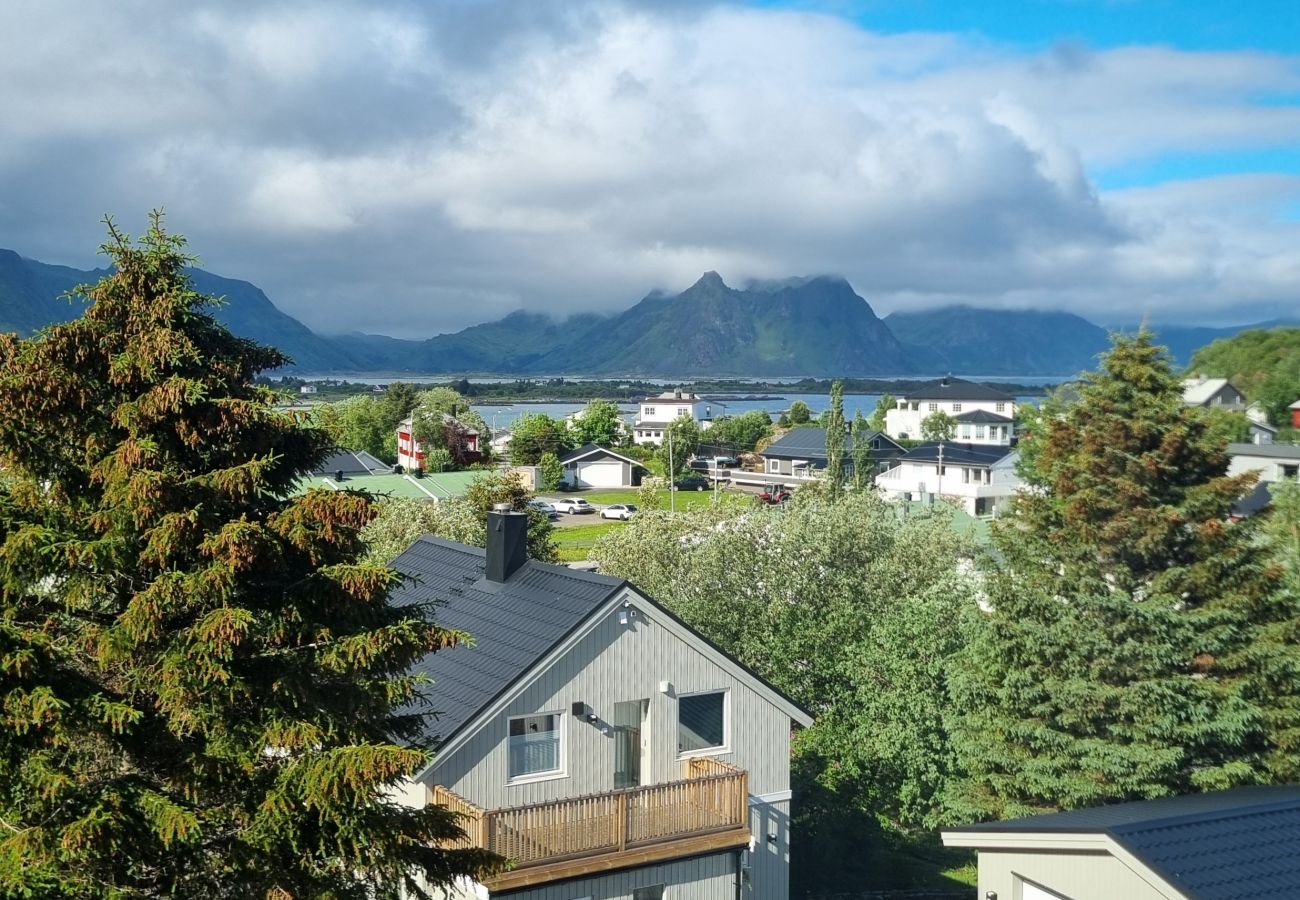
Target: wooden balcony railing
<point>713,797</point>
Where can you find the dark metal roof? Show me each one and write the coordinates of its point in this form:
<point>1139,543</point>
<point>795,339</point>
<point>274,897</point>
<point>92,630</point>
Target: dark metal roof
<point>1269,451</point>
<point>956,389</point>
<point>1225,845</point>
<point>1256,500</point>
<point>352,462</point>
<point>514,624</point>
<point>983,417</point>
<point>593,449</point>
<point>956,454</point>
<point>810,443</point>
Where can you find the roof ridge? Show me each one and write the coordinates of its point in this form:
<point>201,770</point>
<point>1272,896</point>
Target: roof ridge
<point>1172,821</point>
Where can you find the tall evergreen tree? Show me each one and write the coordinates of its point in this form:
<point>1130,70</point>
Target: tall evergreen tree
<point>204,692</point>
<point>1134,646</point>
<point>834,421</point>
<point>862,474</point>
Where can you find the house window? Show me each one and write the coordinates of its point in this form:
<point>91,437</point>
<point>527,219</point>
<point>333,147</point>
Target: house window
<point>1290,471</point>
<point>965,432</point>
<point>701,722</point>
<point>1002,407</point>
<point>647,411</point>
<point>979,432</point>
<point>649,892</point>
<point>934,407</point>
<point>956,407</point>
<point>534,745</point>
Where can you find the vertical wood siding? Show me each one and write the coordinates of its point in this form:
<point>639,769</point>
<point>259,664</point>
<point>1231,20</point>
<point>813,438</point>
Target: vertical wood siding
<point>702,878</point>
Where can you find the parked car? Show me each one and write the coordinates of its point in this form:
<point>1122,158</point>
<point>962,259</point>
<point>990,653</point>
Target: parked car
<point>713,463</point>
<point>691,483</point>
<point>543,507</point>
<point>619,511</point>
<point>775,494</point>
<point>572,506</point>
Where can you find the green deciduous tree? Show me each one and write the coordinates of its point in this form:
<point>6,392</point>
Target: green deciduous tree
<point>862,464</point>
<point>883,406</point>
<point>599,422</point>
<point>1134,646</point>
<point>674,453</point>
<point>938,426</point>
<point>551,471</point>
<point>743,432</point>
<point>799,413</point>
<point>835,434</point>
<point>534,434</point>
<point>202,680</point>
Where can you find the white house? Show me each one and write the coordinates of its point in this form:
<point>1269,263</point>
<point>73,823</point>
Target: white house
<point>984,415</point>
<point>410,452</point>
<point>1243,842</point>
<point>592,737</point>
<point>593,466</point>
<point>307,389</point>
<point>981,478</point>
<point>1273,462</point>
<point>655,413</point>
<point>1213,393</point>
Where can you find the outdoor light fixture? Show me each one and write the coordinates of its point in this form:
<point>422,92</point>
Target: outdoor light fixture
<point>665,687</point>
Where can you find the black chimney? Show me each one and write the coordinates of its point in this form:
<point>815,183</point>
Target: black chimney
<point>507,547</point>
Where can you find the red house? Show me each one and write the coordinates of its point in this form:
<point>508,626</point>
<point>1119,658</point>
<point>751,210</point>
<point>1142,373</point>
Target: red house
<point>410,453</point>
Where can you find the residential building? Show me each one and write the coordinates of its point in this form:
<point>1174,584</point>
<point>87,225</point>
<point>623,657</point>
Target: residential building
<point>800,453</point>
<point>592,737</point>
<point>655,413</point>
<point>1295,414</point>
<point>984,415</point>
<point>307,389</point>
<point>1273,462</point>
<point>593,466</point>
<point>500,443</point>
<point>410,452</point>
<point>981,478</point>
<point>1213,393</point>
<point>1243,842</point>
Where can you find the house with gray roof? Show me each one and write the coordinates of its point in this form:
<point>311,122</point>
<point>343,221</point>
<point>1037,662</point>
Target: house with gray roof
<point>984,415</point>
<point>980,478</point>
<point>592,737</point>
<point>593,466</point>
<point>350,463</point>
<point>800,453</point>
<point>1213,393</point>
<point>1225,845</point>
<point>1273,462</point>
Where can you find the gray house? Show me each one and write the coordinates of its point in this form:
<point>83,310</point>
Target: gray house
<point>801,453</point>
<point>1218,846</point>
<point>594,738</point>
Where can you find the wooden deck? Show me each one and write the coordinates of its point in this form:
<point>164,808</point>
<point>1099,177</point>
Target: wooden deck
<point>707,810</point>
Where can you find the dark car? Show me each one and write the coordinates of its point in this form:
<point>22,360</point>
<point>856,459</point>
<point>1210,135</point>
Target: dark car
<point>691,483</point>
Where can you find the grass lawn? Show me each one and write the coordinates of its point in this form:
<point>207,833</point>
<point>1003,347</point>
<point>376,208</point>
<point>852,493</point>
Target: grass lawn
<point>685,499</point>
<point>576,541</point>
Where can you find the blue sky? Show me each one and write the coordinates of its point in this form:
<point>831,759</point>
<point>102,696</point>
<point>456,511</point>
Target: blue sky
<point>414,168</point>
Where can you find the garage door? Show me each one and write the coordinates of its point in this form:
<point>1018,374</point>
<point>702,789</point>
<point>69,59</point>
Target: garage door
<point>601,474</point>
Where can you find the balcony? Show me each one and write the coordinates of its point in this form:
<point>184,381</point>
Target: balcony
<point>705,811</point>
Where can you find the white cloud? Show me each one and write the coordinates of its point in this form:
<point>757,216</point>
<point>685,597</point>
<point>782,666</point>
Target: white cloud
<point>384,168</point>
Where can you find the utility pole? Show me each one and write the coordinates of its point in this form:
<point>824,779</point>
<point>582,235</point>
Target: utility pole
<point>939,494</point>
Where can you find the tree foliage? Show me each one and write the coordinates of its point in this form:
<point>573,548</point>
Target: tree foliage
<point>534,434</point>
<point>551,471</point>
<point>862,463</point>
<point>835,434</point>
<point>674,452</point>
<point>799,413</point>
<point>202,681</point>
<point>1263,363</point>
<point>401,520</point>
<point>938,426</point>
<point>883,406</point>
<point>743,432</point>
<point>599,422</point>
<point>1135,646</point>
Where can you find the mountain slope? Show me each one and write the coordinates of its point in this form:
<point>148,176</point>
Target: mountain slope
<point>815,326</point>
<point>966,340</point>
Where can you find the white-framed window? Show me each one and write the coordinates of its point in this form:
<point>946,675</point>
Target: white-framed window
<point>934,407</point>
<point>535,745</point>
<point>979,432</point>
<point>649,892</point>
<point>702,722</point>
<point>1002,406</point>
<point>647,411</point>
<point>965,432</point>
<point>956,407</point>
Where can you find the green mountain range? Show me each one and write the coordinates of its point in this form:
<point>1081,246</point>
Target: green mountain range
<point>797,327</point>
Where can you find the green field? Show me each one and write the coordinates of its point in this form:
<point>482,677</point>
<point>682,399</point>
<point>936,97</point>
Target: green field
<point>575,541</point>
<point>685,499</point>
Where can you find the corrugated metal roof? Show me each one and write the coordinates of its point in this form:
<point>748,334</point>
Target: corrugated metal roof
<point>513,624</point>
<point>810,443</point>
<point>1225,845</point>
<point>352,462</point>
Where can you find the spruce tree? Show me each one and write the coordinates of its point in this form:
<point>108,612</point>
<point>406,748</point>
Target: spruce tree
<point>205,693</point>
<point>1133,645</point>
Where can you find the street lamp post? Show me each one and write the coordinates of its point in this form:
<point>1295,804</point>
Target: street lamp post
<point>939,492</point>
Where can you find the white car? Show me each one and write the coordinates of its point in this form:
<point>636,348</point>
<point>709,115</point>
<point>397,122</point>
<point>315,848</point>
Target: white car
<point>572,505</point>
<point>619,511</point>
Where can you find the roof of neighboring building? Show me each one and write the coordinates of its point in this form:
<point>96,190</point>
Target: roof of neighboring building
<point>352,462</point>
<point>1225,845</point>
<point>514,624</point>
<point>1270,451</point>
<point>1199,390</point>
<point>593,450</point>
<point>810,443</point>
<point>1295,405</point>
<point>956,389</point>
<point>983,417</point>
<point>681,396</point>
<point>957,454</point>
